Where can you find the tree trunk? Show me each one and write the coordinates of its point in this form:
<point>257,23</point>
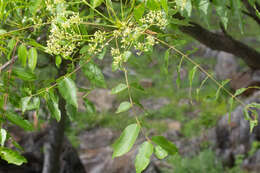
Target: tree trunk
<point>52,148</point>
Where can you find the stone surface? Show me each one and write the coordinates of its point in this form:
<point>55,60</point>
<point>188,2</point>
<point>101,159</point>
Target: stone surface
<point>96,153</point>
<point>146,83</point>
<point>32,144</point>
<point>246,79</point>
<point>226,66</point>
<point>234,138</point>
<point>102,99</point>
<point>154,103</point>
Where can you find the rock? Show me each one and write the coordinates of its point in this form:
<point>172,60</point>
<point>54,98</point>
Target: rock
<point>96,153</point>
<point>226,66</point>
<point>102,99</point>
<point>183,74</point>
<point>108,73</point>
<point>246,79</point>
<point>204,51</point>
<point>32,143</point>
<point>234,138</point>
<point>146,83</point>
<point>154,103</point>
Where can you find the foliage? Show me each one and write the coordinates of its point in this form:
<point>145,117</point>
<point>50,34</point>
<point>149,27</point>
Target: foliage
<point>69,35</point>
<point>205,161</point>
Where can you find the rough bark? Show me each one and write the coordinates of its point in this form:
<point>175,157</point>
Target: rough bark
<point>56,136</point>
<point>223,42</point>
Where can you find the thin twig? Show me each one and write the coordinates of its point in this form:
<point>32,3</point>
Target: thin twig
<point>8,63</point>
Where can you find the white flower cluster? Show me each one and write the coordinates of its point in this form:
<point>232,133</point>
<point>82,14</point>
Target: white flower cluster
<point>157,18</point>
<point>130,34</point>
<point>119,58</point>
<point>97,41</point>
<point>63,38</point>
<point>52,4</point>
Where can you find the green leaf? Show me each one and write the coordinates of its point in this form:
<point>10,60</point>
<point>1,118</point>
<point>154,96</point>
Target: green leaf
<point>153,4</point>
<point>126,140</point>
<point>68,90</point>
<point>204,6</point>
<point>124,106</point>
<point>178,80</point>
<point>166,60</point>
<point>32,58</point>
<point>30,105</point>
<point>240,91</point>
<point>185,6</point>
<point>165,144</point>
<point>23,74</point>
<point>119,88</point>
<point>137,86</point>
<point>230,101</point>
<point>164,4</point>
<point>96,3</point>
<point>35,5</point>
<point>53,106</point>
<point>142,159</point>
<point>102,54</point>
<point>139,11</point>
<point>24,103</point>
<point>58,61</point>
<point>192,74</point>
<point>188,7</point>
<point>223,14</point>
<point>160,153</point>
<point>71,112</point>
<point>223,83</point>
<point>90,107</point>
<point>236,10</point>
<point>94,74</point>
<point>17,145</point>
<point>10,46</point>
<point>22,55</point>
<point>201,85</point>
<point>12,156</point>
<point>19,121</point>
<point>126,55</point>
<point>3,135</point>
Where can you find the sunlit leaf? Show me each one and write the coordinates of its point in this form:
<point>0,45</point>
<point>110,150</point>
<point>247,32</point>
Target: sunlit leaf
<point>23,74</point>
<point>53,106</point>
<point>124,106</point>
<point>240,91</point>
<point>119,88</point>
<point>19,121</point>
<point>126,140</point>
<point>96,3</point>
<point>22,55</point>
<point>166,61</point>
<point>94,74</point>
<point>160,153</point>
<point>10,46</point>
<point>90,107</point>
<point>142,159</point>
<point>32,58</point>
<point>58,61</point>
<point>3,135</point>
<point>165,144</point>
<point>12,156</point>
<point>24,103</point>
<point>139,11</point>
<point>68,90</point>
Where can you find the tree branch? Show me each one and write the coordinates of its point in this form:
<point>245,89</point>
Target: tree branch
<point>8,63</point>
<point>252,10</point>
<point>223,42</point>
